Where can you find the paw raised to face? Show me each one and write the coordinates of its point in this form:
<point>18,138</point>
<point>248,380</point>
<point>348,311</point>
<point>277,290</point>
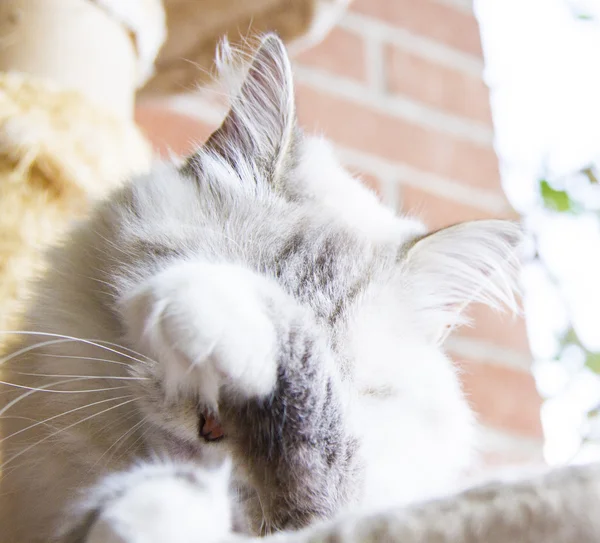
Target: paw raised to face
<point>207,327</point>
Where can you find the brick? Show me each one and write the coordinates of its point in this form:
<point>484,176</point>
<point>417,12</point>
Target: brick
<point>433,84</point>
<point>395,139</point>
<point>171,132</point>
<point>436,211</point>
<point>341,53</point>
<point>501,329</point>
<point>428,18</point>
<point>503,398</point>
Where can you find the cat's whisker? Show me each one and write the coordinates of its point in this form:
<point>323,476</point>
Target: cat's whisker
<point>28,464</point>
<point>120,439</point>
<point>15,417</point>
<point>30,392</point>
<point>94,343</point>
<point>120,419</point>
<point>138,439</point>
<point>62,415</point>
<point>40,389</point>
<point>54,434</point>
<point>127,349</point>
<point>31,348</point>
<point>122,347</point>
<point>113,377</point>
<point>49,355</point>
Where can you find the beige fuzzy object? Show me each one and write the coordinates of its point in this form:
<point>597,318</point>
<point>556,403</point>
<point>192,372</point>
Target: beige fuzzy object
<point>66,133</point>
<point>58,153</point>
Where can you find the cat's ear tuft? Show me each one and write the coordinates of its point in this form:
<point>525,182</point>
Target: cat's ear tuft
<point>259,128</point>
<point>476,261</point>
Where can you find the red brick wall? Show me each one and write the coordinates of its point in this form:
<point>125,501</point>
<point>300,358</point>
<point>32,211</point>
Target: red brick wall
<point>397,85</point>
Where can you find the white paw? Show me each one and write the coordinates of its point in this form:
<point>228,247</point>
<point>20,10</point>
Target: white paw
<point>161,504</point>
<point>206,325</point>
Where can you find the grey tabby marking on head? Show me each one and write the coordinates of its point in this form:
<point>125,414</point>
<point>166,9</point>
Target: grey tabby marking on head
<point>262,285</point>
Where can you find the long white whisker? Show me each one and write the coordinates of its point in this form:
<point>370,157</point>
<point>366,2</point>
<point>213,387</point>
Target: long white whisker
<point>101,341</point>
<point>54,342</point>
<point>33,391</point>
<point>49,355</point>
<point>124,436</point>
<point>40,389</point>
<point>62,415</point>
<point>119,420</point>
<point>119,346</point>
<point>114,377</point>
<point>31,348</point>
<point>23,451</point>
<point>20,418</point>
<point>72,338</point>
<point>138,439</point>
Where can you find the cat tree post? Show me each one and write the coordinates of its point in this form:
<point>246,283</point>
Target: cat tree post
<point>68,74</point>
<point>76,44</point>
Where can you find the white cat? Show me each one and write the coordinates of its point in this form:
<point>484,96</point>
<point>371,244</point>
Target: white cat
<point>257,304</point>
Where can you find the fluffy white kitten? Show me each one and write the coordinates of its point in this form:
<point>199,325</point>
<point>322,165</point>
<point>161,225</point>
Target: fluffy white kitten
<point>257,304</point>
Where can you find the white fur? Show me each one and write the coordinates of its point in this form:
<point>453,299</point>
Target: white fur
<point>151,505</point>
<point>399,374</point>
<point>206,326</point>
<point>352,202</point>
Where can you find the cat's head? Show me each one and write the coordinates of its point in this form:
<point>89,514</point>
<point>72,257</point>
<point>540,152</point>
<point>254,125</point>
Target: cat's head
<point>383,291</point>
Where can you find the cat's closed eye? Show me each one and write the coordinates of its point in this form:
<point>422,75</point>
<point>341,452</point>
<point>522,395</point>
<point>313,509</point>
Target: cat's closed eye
<point>381,392</point>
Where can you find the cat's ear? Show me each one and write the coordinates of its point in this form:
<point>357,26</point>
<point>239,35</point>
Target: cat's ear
<point>259,128</point>
<point>476,261</point>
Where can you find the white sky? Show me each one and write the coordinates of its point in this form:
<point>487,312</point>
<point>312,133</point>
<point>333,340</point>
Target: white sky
<point>543,67</point>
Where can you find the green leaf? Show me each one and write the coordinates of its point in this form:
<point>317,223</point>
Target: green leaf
<point>592,361</point>
<point>585,17</point>
<point>556,200</point>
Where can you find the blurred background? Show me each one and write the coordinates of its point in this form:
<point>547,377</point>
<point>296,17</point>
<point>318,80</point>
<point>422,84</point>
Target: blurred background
<point>449,109</point>
<point>541,67</point>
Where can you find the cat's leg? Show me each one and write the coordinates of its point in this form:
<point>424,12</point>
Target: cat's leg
<point>256,357</point>
<point>155,503</point>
